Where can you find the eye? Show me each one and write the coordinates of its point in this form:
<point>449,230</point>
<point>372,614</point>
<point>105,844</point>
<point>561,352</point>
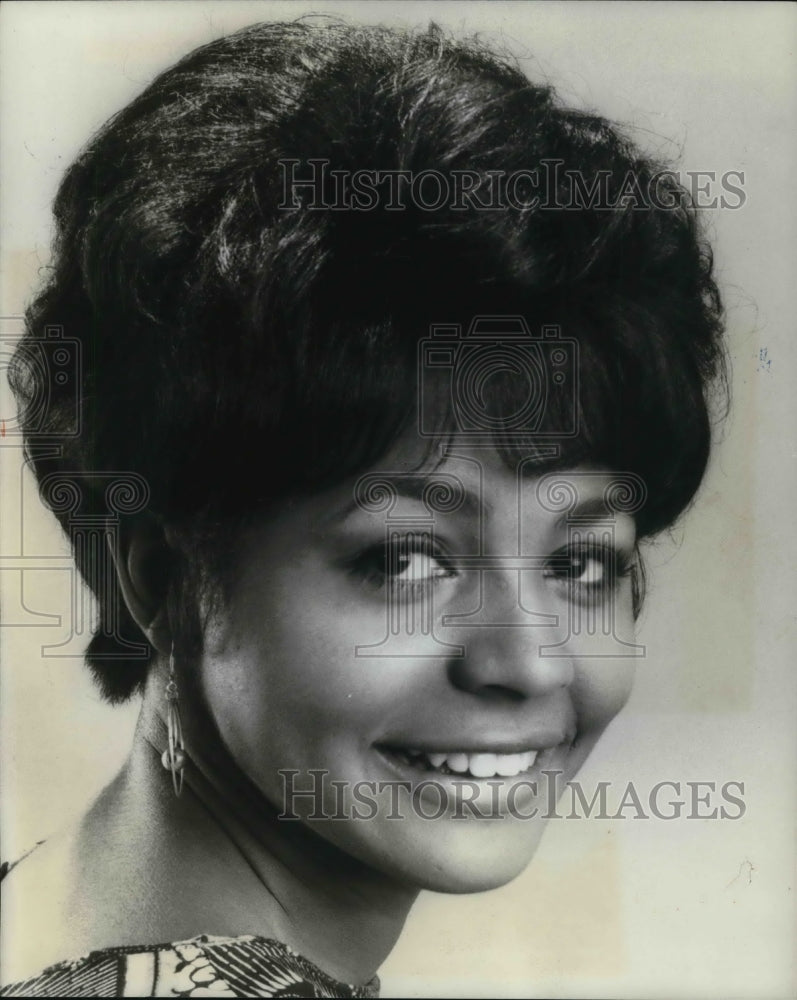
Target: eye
<point>589,568</point>
<point>407,565</point>
<point>416,566</point>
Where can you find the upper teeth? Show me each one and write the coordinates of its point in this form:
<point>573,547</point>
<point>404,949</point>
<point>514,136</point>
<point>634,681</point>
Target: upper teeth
<point>481,765</point>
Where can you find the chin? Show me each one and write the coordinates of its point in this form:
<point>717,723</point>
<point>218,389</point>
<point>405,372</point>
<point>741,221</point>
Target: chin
<point>473,878</point>
<point>472,857</point>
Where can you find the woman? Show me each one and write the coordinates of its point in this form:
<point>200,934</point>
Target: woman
<point>387,363</point>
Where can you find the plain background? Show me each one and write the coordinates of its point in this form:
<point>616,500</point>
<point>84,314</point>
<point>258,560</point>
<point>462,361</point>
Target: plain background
<point>620,908</point>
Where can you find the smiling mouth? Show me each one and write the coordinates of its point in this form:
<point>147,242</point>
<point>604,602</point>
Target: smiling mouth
<point>466,764</point>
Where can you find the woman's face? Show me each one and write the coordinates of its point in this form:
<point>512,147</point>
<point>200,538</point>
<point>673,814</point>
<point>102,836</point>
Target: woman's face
<point>433,665</point>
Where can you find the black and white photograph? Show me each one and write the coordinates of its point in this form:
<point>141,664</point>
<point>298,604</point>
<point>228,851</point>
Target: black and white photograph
<point>397,535</point>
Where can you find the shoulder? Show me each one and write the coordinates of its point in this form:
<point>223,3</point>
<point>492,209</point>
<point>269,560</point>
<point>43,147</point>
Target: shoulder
<point>35,889</point>
<point>202,966</point>
<point>86,890</point>
<point>69,896</point>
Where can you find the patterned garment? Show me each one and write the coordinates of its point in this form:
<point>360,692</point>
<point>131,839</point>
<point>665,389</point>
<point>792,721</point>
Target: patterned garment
<point>202,967</point>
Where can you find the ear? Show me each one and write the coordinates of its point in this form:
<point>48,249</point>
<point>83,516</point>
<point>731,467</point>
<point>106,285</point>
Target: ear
<point>143,561</point>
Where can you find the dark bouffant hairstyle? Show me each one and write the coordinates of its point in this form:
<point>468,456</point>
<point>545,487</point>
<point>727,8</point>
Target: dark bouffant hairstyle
<point>235,350</point>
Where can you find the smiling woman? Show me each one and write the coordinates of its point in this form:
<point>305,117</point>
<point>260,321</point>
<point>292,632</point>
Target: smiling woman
<point>404,720</point>
<point>377,479</point>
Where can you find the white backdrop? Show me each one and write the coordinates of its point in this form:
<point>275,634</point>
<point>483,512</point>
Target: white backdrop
<point>620,908</point>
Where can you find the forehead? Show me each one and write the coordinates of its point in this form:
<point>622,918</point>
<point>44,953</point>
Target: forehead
<point>463,479</point>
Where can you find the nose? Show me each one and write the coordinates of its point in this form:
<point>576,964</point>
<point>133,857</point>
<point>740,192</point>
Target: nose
<point>505,659</point>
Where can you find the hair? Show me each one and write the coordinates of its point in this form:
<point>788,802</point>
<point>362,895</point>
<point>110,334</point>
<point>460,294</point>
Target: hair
<point>235,351</point>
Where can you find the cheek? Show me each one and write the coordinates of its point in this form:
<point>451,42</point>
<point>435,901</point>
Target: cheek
<point>603,683</point>
<point>281,678</point>
<point>601,688</point>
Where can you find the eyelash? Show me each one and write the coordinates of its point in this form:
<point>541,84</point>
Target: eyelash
<point>371,566</point>
<point>615,564</point>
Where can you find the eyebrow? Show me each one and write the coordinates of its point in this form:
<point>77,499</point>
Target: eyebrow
<point>591,509</point>
<point>415,489</point>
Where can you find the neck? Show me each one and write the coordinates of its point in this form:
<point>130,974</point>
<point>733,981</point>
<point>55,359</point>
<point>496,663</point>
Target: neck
<point>260,875</point>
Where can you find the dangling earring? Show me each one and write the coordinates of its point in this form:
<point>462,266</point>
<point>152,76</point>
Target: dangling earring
<point>174,757</point>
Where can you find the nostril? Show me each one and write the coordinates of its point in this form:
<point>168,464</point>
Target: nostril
<point>498,692</point>
<point>511,678</point>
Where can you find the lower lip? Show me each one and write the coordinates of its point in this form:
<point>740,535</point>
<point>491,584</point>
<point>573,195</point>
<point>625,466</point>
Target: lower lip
<point>474,798</point>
